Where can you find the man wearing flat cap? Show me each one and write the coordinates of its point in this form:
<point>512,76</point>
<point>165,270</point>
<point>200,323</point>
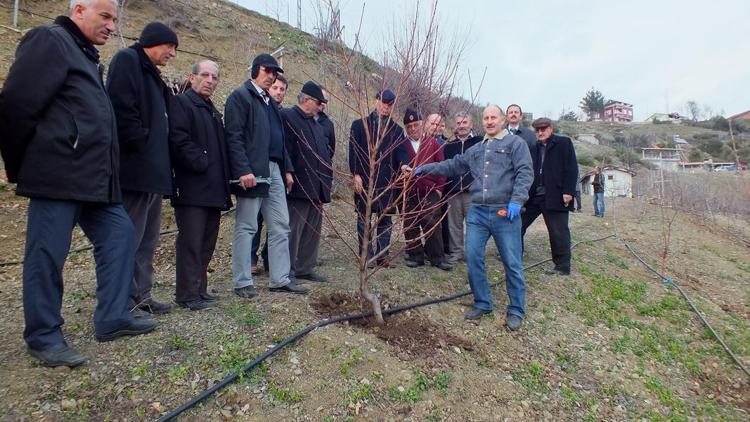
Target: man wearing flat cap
<point>551,194</point>
<point>378,133</point>
<point>259,161</point>
<point>141,100</point>
<point>312,160</point>
<point>422,211</point>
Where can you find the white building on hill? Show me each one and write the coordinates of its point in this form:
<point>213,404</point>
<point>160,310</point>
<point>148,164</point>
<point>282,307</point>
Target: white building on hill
<point>618,182</point>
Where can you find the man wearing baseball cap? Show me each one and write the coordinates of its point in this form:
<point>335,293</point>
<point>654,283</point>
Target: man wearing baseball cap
<point>140,99</point>
<point>259,161</point>
<point>551,194</point>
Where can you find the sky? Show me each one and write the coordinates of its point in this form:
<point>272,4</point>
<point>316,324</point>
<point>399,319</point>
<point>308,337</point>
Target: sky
<point>545,54</point>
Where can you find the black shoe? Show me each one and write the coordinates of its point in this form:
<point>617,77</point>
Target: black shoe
<point>248,292</point>
<point>154,307</point>
<point>197,304</point>
<point>443,265</point>
<point>513,322</point>
<point>59,355</point>
<point>137,327</point>
<point>208,297</point>
<point>291,287</point>
<point>557,271</point>
<point>411,263</point>
<point>139,314</point>
<point>317,278</point>
<point>476,314</point>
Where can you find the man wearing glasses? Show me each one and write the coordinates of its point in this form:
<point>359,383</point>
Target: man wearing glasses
<point>551,194</point>
<point>259,161</point>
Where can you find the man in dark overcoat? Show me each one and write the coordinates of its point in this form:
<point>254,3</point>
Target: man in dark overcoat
<point>515,125</point>
<point>551,194</point>
<point>313,173</point>
<point>141,98</point>
<point>376,130</point>
<point>59,144</point>
<point>201,183</point>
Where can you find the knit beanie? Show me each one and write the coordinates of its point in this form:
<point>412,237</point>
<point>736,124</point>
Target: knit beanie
<point>156,33</point>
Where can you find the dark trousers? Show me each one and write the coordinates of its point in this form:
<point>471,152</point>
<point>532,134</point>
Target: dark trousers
<point>196,239</point>
<point>305,219</point>
<point>48,235</point>
<point>144,210</point>
<point>422,216</point>
<point>577,197</point>
<point>382,234</point>
<point>446,232</point>
<point>256,245</point>
<point>557,228</point>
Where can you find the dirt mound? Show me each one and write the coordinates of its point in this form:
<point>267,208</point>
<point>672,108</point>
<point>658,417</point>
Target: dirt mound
<point>412,332</point>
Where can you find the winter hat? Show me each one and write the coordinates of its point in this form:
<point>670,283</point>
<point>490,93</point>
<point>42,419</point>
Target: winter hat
<point>156,33</point>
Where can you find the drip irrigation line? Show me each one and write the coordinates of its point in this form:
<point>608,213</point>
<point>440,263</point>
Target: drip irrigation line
<point>322,323</point>
<point>667,281</point>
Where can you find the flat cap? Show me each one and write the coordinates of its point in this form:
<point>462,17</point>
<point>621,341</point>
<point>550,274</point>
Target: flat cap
<point>411,116</point>
<point>314,90</point>
<point>387,96</point>
<point>541,122</point>
<point>267,61</point>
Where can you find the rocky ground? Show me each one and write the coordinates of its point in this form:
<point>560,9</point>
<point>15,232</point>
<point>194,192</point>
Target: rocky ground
<point>609,342</point>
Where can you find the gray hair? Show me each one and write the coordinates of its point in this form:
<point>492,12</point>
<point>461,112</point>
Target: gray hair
<point>302,96</point>
<point>462,115</point>
<point>88,3</point>
<point>197,66</point>
<point>502,113</point>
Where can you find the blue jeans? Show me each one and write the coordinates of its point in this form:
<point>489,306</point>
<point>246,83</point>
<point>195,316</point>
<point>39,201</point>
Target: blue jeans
<point>599,204</point>
<point>50,224</point>
<point>481,223</point>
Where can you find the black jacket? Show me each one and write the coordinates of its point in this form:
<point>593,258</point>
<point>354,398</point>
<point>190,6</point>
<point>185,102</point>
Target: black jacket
<point>247,131</point>
<point>389,156</point>
<point>559,172</point>
<point>451,149</point>
<point>141,100</point>
<point>310,155</point>
<point>57,127</point>
<point>328,130</point>
<point>198,153</point>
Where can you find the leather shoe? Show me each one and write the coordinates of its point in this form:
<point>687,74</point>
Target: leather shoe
<point>557,271</point>
<point>411,263</point>
<point>138,313</point>
<point>443,265</point>
<point>136,327</point>
<point>154,307</point>
<point>513,322</point>
<point>59,355</point>
<point>476,314</point>
<point>197,304</point>
<point>248,292</point>
<point>208,297</point>
<point>314,277</point>
<point>290,287</point>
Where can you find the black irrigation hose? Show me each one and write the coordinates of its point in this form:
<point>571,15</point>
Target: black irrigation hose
<point>322,323</point>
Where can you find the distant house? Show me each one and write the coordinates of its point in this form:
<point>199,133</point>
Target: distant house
<point>741,116</point>
<point>662,158</point>
<point>618,182</point>
<point>617,111</point>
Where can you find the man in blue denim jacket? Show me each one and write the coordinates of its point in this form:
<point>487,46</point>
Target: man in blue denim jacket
<point>503,172</point>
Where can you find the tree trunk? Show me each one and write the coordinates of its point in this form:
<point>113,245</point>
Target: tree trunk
<point>372,298</point>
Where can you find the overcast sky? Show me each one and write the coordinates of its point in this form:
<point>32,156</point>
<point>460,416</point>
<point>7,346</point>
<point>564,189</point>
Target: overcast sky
<point>546,54</point>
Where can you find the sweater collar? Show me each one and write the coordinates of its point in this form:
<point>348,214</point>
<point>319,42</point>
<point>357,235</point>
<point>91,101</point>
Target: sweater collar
<point>83,43</point>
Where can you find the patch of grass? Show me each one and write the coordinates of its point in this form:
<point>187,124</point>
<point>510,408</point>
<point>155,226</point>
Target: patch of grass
<point>176,373</point>
<point>435,416</point>
<point>664,394</point>
<point>346,366</point>
<point>140,371</point>
<point>569,362</point>
<point>334,351</point>
<point>604,303</point>
<point>533,378</point>
<point>245,316</point>
<point>281,395</point>
<point>359,392</point>
<point>234,351</point>
<point>658,309</point>
<point>442,381</point>
<point>616,261</point>
<point>422,383</point>
<point>177,342</point>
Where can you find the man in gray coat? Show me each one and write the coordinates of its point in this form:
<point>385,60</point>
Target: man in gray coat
<point>59,143</point>
<point>503,172</point>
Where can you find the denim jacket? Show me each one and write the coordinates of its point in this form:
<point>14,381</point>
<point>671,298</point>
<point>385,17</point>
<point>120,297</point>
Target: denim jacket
<point>502,170</point>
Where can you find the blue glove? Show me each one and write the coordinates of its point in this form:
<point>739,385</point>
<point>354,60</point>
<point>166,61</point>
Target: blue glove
<point>418,171</point>
<point>514,210</point>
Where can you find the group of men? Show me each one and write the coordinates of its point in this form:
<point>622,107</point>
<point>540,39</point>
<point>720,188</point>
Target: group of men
<point>103,157</point>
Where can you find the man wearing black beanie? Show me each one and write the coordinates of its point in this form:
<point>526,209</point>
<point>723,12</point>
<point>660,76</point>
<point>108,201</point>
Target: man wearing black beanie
<point>140,99</point>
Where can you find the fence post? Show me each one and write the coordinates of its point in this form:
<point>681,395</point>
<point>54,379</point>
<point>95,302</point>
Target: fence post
<point>15,13</point>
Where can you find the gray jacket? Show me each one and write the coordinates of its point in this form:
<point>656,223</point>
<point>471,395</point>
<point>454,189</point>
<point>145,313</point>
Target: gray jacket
<point>502,170</point>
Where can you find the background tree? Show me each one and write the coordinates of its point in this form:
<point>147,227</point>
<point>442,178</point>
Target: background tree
<point>568,116</point>
<point>592,103</point>
<point>694,111</point>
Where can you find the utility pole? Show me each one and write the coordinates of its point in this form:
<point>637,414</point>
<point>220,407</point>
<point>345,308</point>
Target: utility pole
<point>299,14</point>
